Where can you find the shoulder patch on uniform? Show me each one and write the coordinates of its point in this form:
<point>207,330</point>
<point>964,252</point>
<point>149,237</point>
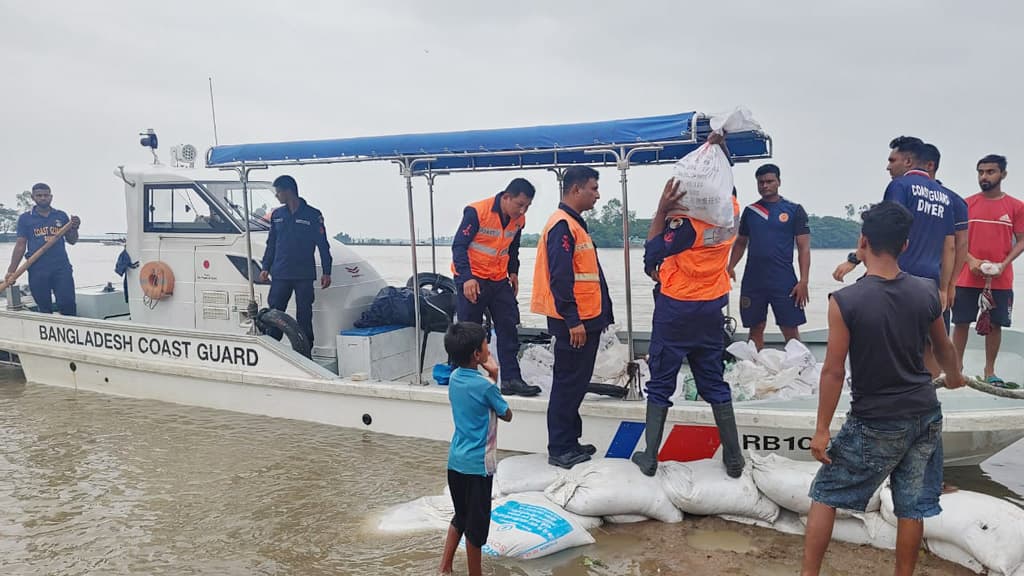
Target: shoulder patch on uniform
<point>565,242</point>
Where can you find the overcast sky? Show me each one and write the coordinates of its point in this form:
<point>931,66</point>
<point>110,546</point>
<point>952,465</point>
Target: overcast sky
<point>831,82</point>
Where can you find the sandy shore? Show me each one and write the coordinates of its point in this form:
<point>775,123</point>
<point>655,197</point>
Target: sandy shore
<point>711,546</point>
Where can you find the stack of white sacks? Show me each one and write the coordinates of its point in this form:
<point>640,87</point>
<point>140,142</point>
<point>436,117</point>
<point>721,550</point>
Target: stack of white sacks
<point>539,509</point>
<point>769,374</point>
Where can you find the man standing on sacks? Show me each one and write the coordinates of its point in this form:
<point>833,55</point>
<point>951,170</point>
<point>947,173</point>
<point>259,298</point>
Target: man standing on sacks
<point>689,260</point>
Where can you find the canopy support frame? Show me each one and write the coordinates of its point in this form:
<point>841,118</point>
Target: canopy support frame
<point>407,165</point>
<point>431,175</point>
<point>243,176</point>
<point>622,158</point>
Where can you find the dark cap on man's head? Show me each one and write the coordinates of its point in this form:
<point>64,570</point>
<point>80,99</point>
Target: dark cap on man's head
<point>40,186</point>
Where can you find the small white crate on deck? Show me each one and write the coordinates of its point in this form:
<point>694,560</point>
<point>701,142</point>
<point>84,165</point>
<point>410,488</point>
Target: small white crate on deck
<point>385,352</point>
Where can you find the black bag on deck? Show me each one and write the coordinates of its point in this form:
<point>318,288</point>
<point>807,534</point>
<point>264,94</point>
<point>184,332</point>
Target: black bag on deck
<point>395,306</point>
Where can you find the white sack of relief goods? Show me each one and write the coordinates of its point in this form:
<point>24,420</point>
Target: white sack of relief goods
<point>426,514</point>
<point>536,365</point>
<point>706,177</point>
<point>738,119</point>
<point>530,526</point>
<point>527,473</point>
<point>987,528</point>
<point>787,483</point>
<point>611,487</point>
<point>702,487</point>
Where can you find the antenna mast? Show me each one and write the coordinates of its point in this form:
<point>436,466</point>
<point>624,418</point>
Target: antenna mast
<point>213,111</point>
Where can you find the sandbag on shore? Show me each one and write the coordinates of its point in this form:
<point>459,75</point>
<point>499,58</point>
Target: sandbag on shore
<point>788,522</point>
<point>426,514</point>
<point>625,518</point>
<point>526,473</point>
<point>529,525</point>
<point>613,486</point>
<point>702,487</point>
<point>985,527</point>
<point>788,482</point>
<point>954,554</point>
<point>869,529</point>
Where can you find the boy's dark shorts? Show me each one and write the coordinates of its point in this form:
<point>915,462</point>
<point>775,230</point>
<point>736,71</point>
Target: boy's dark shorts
<point>866,452</point>
<point>471,496</point>
<point>965,306</point>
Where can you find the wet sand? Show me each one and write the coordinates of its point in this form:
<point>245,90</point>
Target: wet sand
<point>705,546</point>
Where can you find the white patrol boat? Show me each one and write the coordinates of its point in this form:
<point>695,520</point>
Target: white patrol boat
<point>187,332</point>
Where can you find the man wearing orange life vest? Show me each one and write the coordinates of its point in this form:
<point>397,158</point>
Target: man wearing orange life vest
<point>689,260</point>
<point>569,288</point>
<point>485,261</point>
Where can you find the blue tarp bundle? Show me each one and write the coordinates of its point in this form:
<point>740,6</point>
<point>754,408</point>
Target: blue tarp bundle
<point>531,147</point>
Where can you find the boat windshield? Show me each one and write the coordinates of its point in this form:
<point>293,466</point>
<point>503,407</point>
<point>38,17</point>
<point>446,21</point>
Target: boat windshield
<point>261,202</point>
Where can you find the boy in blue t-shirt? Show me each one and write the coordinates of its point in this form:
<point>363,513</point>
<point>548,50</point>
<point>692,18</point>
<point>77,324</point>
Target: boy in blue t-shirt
<point>476,405</point>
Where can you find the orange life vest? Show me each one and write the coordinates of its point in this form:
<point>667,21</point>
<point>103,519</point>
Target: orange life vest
<point>587,274</point>
<point>488,251</point>
<point>700,273</point>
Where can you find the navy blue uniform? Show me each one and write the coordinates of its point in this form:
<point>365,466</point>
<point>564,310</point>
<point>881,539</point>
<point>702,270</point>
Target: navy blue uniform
<point>934,219</point>
<point>50,277</point>
<point>960,221</point>
<point>573,367</point>
<point>496,296</point>
<point>768,278</point>
<point>681,330</point>
<point>290,260</point>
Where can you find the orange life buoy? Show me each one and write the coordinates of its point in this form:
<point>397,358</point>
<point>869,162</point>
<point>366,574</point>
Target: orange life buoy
<point>157,280</point>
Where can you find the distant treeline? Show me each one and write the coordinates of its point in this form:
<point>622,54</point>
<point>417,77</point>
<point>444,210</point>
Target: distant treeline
<point>605,228</point>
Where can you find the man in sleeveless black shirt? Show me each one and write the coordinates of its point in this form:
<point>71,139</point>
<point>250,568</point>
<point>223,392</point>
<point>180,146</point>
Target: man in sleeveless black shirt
<point>894,427</point>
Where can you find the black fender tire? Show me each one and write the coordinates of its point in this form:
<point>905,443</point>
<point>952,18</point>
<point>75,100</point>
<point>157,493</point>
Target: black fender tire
<point>437,283</point>
<point>269,318</point>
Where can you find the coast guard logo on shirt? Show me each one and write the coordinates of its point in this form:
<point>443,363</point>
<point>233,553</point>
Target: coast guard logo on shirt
<point>783,217</point>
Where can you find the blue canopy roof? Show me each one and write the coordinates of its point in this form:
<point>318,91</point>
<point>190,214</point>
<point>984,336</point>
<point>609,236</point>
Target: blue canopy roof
<point>508,148</point>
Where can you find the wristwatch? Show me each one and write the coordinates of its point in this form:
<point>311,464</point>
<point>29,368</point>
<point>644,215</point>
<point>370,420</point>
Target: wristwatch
<point>852,258</point>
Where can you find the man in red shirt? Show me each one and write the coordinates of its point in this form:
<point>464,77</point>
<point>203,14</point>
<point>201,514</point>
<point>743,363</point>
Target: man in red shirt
<point>995,238</point>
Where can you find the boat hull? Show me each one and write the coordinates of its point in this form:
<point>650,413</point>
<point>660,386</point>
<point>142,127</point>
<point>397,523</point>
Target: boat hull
<point>281,385</point>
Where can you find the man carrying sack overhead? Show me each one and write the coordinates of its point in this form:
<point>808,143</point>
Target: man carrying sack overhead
<point>50,274</point>
<point>689,260</point>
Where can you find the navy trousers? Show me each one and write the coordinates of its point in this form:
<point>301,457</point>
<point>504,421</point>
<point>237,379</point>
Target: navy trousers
<point>690,331</point>
<point>281,292</point>
<point>571,375</point>
<point>497,297</point>
<point>47,285</point>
